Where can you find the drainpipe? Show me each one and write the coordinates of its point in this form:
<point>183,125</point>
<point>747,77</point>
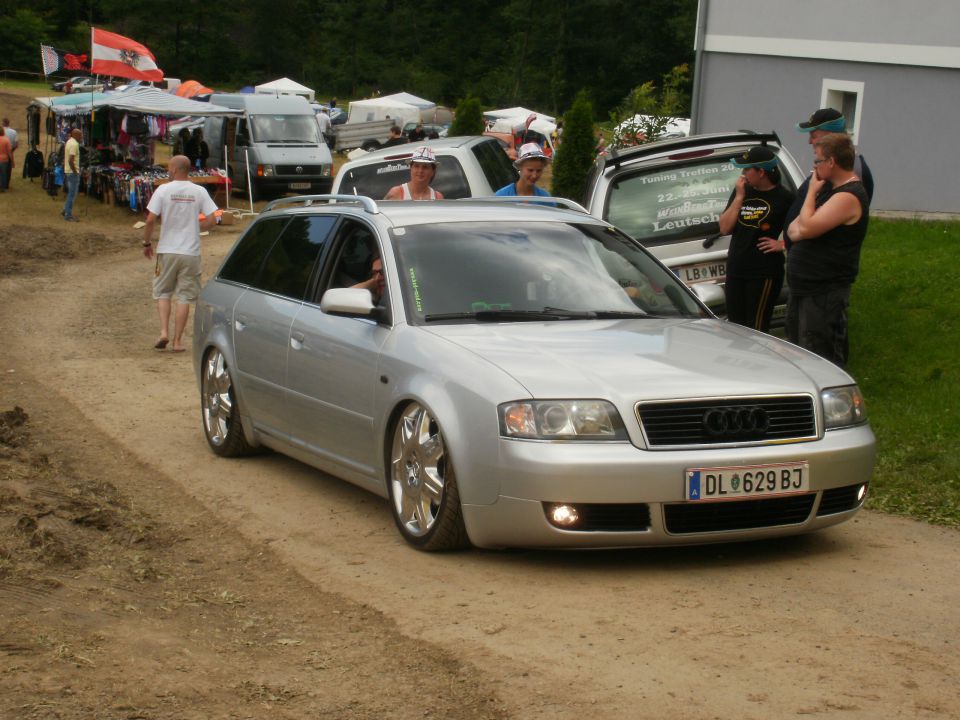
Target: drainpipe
<point>701,35</point>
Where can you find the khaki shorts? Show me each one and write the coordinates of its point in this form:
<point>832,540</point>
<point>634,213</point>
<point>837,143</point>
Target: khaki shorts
<point>177,275</point>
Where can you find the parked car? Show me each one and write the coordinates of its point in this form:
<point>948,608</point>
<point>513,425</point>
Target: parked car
<point>61,85</point>
<point>669,195</point>
<point>468,167</point>
<point>85,84</point>
<point>513,374</point>
<point>428,129</point>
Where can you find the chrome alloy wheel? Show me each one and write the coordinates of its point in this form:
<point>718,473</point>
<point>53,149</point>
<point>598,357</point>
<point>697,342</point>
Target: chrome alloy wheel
<point>216,399</point>
<point>418,471</point>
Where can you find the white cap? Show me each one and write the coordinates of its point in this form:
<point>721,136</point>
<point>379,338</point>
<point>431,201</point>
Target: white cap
<point>423,154</point>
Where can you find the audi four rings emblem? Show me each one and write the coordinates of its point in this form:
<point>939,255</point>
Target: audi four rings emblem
<point>732,421</point>
<point>299,169</point>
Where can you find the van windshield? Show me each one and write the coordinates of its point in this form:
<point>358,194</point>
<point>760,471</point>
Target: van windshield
<point>285,129</point>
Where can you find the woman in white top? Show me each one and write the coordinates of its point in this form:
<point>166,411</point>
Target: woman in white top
<point>423,168</point>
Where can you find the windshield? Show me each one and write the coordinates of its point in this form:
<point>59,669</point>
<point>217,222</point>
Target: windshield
<point>490,271</point>
<point>285,129</point>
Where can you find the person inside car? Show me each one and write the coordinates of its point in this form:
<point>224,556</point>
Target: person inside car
<point>423,169</point>
<point>375,283</point>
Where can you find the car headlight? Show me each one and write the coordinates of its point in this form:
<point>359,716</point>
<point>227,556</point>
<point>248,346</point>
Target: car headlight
<point>561,420</point>
<point>842,407</point>
<point>265,170</point>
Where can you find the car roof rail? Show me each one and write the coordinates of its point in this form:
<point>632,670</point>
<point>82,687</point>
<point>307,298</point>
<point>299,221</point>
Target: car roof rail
<point>619,156</point>
<point>547,200</point>
<point>369,205</point>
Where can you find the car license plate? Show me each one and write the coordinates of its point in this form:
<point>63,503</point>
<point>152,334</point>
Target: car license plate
<point>299,186</point>
<point>703,272</point>
<point>746,481</point>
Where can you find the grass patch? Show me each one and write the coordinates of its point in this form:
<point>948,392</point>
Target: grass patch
<point>904,340</point>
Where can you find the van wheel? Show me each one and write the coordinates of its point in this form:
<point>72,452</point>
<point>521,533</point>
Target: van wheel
<point>369,145</point>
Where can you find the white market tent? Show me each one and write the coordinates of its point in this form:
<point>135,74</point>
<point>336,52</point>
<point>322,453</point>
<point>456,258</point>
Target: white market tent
<point>381,109</point>
<point>148,100</point>
<point>515,112</point>
<point>285,86</point>
<point>409,99</point>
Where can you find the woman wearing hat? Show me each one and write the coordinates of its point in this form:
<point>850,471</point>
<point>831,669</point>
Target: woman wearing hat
<point>423,168</point>
<point>530,162</point>
<point>754,219</point>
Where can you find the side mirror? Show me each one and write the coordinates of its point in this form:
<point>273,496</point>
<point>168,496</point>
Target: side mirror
<point>351,302</point>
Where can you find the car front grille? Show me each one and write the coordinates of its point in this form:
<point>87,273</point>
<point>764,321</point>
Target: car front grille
<point>685,518</point>
<point>304,169</point>
<point>837,500</point>
<point>611,517</point>
<point>681,423</point>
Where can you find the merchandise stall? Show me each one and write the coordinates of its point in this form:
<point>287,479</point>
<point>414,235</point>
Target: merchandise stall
<point>120,132</point>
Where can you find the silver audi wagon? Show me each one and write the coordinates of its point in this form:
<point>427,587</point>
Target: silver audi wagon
<point>511,374</point>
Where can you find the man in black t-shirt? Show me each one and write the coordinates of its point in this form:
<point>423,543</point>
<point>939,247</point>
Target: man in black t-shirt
<point>824,258</point>
<point>754,218</point>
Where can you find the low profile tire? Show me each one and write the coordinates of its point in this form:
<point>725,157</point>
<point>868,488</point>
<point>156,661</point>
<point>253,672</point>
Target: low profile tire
<point>423,489</point>
<point>222,425</point>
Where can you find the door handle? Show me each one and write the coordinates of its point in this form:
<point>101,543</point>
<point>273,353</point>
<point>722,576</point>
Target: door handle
<point>296,340</point>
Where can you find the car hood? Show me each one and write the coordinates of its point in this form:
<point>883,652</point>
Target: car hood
<point>643,359</point>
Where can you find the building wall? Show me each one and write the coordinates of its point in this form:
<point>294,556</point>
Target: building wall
<point>895,22</point>
<point>907,110</point>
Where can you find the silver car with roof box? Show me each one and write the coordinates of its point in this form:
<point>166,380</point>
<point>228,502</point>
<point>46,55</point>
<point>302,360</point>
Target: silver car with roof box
<point>669,195</point>
<point>517,374</point>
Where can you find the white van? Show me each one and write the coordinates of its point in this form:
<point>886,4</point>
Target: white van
<point>278,136</point>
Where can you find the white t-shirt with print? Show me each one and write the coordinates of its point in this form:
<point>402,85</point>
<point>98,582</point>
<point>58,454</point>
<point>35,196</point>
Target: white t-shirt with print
<point>179,204</point>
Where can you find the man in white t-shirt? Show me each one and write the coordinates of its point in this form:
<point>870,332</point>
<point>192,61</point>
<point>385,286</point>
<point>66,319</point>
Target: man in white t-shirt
<point>325,124</point>
<point>178,204</point>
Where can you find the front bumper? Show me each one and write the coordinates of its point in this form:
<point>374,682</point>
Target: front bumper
<point>533,474</point>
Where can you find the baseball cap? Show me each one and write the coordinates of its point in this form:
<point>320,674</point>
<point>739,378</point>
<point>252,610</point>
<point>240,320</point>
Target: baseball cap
<point>423,154</point>
<point>824,119</point>
<point>530,151</point>
<point>758,156</point>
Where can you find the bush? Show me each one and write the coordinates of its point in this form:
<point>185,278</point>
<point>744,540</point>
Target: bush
<point>575,156</point>
<point>467,118</point>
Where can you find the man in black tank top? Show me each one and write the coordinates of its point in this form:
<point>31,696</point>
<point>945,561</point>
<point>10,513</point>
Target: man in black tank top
<point>824,256</point>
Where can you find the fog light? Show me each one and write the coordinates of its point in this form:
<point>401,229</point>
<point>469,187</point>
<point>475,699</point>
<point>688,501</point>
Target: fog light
<point>563,516</point>
<point>861,493</point>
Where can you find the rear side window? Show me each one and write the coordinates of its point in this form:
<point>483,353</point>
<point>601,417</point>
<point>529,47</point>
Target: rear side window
<point>289,264</point>
<point>672,202</point>
<point>495,164</point>
<point>243,265</point>
<point>375,179</point>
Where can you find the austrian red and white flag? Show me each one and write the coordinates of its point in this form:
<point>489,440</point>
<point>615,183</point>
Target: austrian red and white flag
<point>119,56</point>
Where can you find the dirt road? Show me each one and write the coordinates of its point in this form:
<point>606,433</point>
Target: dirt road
<point>262,588</point>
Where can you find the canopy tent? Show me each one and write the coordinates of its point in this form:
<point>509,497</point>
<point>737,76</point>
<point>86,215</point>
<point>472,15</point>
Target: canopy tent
<point>285,86</point>
<point>409,99</point>
<point>381,109</point>
<point>514,112</point>
<point>150,101</point>
<point>191,88</point>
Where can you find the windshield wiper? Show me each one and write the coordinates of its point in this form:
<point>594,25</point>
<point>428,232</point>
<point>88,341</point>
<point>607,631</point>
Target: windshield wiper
<point>507,315</point>
<point>615,314</point>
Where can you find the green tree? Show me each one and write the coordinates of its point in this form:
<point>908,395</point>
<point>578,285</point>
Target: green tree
<point>575,155</point>
<point>467,118</point>
<point>21,34</point>
<point>645,113</point>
